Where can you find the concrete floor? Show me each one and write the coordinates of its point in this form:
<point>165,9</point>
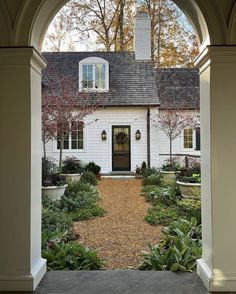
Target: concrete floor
<point>120,282</point>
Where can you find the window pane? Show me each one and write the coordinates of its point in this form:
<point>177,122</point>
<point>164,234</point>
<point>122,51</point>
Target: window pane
<point>77,138</point>
<point>100,70</point>
<point>87,73</point>
<point>188,138</point>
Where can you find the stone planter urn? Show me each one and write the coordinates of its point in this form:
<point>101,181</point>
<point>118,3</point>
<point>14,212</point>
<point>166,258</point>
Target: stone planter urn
<point>168,175</point>
<point>71,178</point>
<point>54,192</point>
<point>190,190</point>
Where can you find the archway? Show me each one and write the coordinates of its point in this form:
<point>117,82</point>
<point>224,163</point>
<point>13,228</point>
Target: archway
<point>25,25</point>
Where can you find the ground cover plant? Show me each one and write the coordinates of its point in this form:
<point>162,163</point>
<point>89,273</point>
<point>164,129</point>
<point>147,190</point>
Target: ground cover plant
<point>178,249</point>
<point>58,239</point>
<point>180,245</point>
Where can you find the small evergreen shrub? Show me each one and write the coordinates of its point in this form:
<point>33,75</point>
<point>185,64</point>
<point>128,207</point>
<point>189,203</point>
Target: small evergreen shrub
<point>89,177</point>
<point>92,167</point>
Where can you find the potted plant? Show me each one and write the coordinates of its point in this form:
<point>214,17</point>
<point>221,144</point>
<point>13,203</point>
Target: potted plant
<point>172,120</point>
<point>189,181</point>
<point>71,169</point>
<point>53,184</point>
<point>91,166</point>
<point>169,170</point>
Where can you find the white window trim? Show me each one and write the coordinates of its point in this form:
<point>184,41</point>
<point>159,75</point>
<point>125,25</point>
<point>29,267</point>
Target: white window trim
<point>55,150</point>
<point>93,61</point>
<point>194,140</point>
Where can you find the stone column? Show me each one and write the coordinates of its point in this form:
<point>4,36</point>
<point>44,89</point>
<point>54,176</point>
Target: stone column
<point>21,265</point>
<point>217,268</point>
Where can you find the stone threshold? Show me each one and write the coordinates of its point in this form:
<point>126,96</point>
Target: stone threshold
<point>120,282</point>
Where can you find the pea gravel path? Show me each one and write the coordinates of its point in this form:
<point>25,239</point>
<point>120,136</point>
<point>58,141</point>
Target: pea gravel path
<point>122,233</point>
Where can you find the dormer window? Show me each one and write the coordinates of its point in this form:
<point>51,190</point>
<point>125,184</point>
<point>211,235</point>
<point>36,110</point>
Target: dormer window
<point>94,74</point>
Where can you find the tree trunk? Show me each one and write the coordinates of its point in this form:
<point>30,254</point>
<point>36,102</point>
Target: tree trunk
<point>121,24</point>
<point>44,150</point>
<point>61,150</point>
<point>171,158</point>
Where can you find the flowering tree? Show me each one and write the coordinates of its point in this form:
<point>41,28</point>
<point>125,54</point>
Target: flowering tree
<point>172,120</point>
<point>64,108</point>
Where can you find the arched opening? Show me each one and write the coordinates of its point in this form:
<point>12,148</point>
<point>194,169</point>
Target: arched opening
<point>48,10</point>
<point>218,90</point>
<point>197,20</point>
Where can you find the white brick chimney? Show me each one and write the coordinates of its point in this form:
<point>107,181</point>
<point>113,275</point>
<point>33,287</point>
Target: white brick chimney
<point>142,37</point>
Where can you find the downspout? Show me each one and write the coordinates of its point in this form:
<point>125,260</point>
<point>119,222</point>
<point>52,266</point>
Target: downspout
<point>148,138</point>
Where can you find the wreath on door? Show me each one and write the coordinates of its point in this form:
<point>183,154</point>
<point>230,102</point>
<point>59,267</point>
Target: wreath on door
<point>121,138</point>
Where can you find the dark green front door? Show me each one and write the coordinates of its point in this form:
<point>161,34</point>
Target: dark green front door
<point>121,148</point>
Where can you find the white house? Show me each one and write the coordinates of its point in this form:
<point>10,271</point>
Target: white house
<point>123,134</point>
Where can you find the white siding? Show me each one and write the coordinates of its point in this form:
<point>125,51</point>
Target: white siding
<point>160,145</point>
<point>101,151</point>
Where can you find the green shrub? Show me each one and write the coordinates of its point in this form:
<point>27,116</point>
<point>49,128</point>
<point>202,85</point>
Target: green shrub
<point>71,256</point>
<point>164,195</point>
<point>81,199</point>
<point>147,189</point>
<point>149,171</point>
<point>178,250</point>
<point>92,167</point>
<point>71,166</point>
<point>161,214</point>
<point>190,208</point>
<point>79,186</point>
<point>87,213</point>
<point>154,179</point>
<point>89,177</point>
<point>53,221</point>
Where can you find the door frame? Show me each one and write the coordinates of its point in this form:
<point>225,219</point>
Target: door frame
<point>130,132</point>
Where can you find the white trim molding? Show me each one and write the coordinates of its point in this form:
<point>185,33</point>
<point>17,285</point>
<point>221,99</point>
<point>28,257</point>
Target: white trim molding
<point>217,281</point>
<point>27,282</point>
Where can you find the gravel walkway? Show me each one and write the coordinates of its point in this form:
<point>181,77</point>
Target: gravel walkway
<point>122,233</point>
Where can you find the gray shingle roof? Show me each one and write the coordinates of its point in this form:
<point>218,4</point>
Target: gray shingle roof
<point>178,87</point>
<point>131,82</point>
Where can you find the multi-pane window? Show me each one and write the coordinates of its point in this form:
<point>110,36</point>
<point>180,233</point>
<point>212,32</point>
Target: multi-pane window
<point>94,76</point>
<point>74,140</point>
<point>77,137</point>
<point>188,138</point>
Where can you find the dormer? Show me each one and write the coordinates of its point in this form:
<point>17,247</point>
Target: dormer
<point>94,74</point>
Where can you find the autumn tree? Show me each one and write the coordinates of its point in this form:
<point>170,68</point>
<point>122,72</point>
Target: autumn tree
<point>110,24</point>
<point>172,41</point>
<point>59,36</point>
<point>64,108</point>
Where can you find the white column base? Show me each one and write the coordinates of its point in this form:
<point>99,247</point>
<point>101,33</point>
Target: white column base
<point>27,283</point>
<point>217,282</point>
